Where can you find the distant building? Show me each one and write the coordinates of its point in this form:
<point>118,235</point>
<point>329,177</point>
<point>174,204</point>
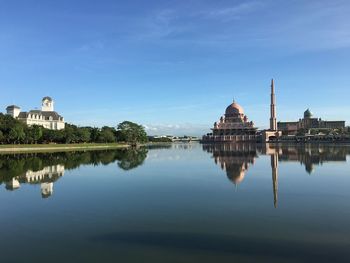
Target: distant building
<point>45,117</point>
<point>307,123</point>
<point>232,127</point>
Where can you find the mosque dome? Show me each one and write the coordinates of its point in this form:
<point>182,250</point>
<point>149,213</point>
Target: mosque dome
<point>235,172</point>
<point>308,114</point>
<point>234,109</point>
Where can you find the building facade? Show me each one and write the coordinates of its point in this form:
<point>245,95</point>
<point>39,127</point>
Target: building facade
<point>46,117</point>
<point>232,127</point>
<point>307,123</point>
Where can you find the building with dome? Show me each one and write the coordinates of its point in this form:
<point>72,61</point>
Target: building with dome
<point>232,127</point>
<point>46,117</point>
<point>308,122</point>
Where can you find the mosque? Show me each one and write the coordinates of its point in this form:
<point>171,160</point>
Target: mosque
<point>46,117</point>
<point>234,126</point>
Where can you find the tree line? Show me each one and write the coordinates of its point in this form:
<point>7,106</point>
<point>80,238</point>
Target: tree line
<point>13,131</point>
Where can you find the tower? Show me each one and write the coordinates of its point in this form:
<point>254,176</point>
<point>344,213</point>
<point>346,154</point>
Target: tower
<point>273,120</point>
<point>47,104</point>
<point>13,110</point>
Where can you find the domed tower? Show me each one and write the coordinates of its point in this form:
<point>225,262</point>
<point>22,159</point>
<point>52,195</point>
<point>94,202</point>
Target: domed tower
<point>47,104</point>
<point>307,114</point>
<point>234,112</point>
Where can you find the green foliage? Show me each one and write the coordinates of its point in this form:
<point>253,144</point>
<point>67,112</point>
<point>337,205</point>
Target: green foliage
<point>13,131</point>
<point>33,134</point>
<point>131,132</point>
<point>107,135</point>
<point>162,139</point>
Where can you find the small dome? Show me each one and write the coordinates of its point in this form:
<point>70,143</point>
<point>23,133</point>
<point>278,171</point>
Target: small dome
<point>234,109</point>
<point>308,114</point>
<point>47,98</point>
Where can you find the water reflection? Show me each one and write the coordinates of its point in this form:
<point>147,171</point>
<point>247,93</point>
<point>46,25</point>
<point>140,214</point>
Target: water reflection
<point>309,155</point>
<point>235,159</point>
<point>45,177</point>
<point>47,168</point>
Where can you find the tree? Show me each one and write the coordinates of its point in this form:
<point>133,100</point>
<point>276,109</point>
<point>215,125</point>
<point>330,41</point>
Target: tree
<point>106,135</point>
<point>50,136</point>
<point>34,134</point>
<point>132,133</point>
<point>83,135</point>
<point>94,134</point>
<point>69,134</point>
<point>2,137</point>
<point>16,134</point>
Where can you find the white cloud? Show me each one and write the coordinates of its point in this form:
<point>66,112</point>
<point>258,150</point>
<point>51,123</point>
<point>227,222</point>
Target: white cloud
<point>177,129</point>
<point>233,12</point>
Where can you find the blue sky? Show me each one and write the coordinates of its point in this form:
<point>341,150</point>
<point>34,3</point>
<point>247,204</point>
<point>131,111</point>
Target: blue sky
<point>174,66</point>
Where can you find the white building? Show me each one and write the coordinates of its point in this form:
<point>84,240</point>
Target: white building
<point>45,117</point>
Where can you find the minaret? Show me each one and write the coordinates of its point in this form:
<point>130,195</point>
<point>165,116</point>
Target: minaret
<point>274,168</point>
<point>273,120</point>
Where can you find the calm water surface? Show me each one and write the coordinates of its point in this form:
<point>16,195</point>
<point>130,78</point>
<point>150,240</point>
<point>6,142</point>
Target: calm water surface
<point>179,203</point>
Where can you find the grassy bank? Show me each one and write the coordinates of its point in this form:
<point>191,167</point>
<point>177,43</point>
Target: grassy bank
<point>58,147</point>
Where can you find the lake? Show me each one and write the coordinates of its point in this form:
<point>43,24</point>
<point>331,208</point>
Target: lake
<point>177,203</point>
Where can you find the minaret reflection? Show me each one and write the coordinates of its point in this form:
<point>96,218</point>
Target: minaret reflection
<point>274,168</point>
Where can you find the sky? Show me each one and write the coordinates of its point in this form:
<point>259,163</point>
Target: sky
<point>174,66</point>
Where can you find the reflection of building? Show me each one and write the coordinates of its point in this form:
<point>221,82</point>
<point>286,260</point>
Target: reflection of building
<point>233,158</point>
<point>45,177</point>
<point>311,155</point>
<point>309,122</point>
<point>45,117</point>
<point>232,127</point>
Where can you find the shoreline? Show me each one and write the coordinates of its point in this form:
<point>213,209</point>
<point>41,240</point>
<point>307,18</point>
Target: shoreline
<point>28,148</point>
<point>59,147</point>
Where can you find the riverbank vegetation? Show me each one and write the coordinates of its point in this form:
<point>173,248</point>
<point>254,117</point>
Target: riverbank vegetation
<point>13,131</point>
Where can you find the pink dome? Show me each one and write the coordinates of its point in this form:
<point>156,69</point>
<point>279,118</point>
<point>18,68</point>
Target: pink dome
<point>234,109</point>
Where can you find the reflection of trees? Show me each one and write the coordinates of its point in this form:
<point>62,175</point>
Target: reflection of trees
<point>14,165</point>
<point>132,157</point>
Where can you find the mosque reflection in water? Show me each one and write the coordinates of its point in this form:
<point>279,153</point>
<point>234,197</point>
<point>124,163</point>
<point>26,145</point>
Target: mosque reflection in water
<point>235,159</point>
<point>46,168</point>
